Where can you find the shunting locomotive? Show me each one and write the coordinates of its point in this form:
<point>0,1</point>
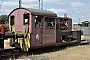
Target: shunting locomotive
<point>32,28</point>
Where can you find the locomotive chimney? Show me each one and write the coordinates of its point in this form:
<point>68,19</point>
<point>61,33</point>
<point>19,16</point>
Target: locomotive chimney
<point>65,15</point>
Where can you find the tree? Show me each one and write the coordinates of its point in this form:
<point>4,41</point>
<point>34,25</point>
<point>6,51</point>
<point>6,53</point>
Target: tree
<point>3,19</point>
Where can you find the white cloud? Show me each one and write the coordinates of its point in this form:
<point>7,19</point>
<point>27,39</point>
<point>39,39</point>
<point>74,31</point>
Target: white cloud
<point>76,4</point>
<point>30,1</point>
<point>53,1</point>
<point>59,12</point>
<point>57,6</point>
<point>10,4</point>
<point>7,6</point>
<point>30,6</point>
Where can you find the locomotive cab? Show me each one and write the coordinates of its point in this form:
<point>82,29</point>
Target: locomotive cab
<point>29,27</point>
<point>64,33</point>
<point>20,27</point>
<point>32,28</point>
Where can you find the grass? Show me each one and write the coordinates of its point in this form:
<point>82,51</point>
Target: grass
<point>85,37</point>
<point>71,53</point>
<point>81,52</point>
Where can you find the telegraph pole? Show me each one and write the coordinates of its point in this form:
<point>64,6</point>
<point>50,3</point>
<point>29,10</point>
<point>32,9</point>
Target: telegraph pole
<point>39,4</point>
<point>42,5</point>
<point>20,3</point>
<point>79,20</point>
<point>0,9</point>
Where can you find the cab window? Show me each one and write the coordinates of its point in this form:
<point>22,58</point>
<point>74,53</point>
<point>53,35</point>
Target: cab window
<point>38,21</point>
<point>26,19</point>
<point>12,20</point>
<point>49,23</point>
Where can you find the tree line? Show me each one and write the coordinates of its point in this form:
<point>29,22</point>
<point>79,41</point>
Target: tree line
<point>3,19</point>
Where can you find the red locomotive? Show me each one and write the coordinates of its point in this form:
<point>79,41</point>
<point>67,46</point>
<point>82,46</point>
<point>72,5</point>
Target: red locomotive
<point>32,28</point>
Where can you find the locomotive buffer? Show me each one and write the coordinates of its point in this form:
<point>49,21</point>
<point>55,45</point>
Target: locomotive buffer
<point>4,35</point>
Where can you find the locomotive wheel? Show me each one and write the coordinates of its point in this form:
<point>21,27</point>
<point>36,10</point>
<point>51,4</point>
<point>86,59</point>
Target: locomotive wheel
<point>11,42</point>
<point>25,43</point>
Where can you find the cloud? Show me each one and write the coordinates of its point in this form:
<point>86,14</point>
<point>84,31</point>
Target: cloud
<point>59,12</point>
<point>30,6</point>
<point>53,1</point>
<point>30,1</point>
<point>76,4</point>
<point>7,6</point>
<point>79,7</point>
<point>10,4</point>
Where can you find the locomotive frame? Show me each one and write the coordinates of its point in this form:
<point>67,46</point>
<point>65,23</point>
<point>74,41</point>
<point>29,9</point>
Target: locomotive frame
<point>32,28</point>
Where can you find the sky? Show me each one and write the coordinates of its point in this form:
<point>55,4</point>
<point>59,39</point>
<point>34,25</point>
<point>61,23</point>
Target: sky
<point>78,10</point>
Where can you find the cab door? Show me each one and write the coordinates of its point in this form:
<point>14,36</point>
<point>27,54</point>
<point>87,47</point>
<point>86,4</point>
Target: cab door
<point>12,23</point>
<point>38,30</point>
<point>26,22</point>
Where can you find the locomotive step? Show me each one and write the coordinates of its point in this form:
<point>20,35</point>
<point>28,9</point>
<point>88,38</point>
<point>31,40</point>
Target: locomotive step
<point>85,42</point>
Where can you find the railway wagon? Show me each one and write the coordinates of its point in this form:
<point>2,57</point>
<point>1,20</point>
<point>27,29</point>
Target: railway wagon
<point>34,28</point>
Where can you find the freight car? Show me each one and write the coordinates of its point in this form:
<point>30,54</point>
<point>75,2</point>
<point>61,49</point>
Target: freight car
<point>32,28</point>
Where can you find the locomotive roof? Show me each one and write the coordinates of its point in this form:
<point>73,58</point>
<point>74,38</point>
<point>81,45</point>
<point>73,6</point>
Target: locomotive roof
<point>42,12</point>
<point>39,12</point>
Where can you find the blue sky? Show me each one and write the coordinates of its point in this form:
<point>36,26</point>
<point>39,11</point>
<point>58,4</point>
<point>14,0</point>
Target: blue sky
<point>78,10</point>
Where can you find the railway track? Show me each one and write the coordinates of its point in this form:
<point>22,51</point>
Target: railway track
<point>6,54</point>
<point>10,54</point>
